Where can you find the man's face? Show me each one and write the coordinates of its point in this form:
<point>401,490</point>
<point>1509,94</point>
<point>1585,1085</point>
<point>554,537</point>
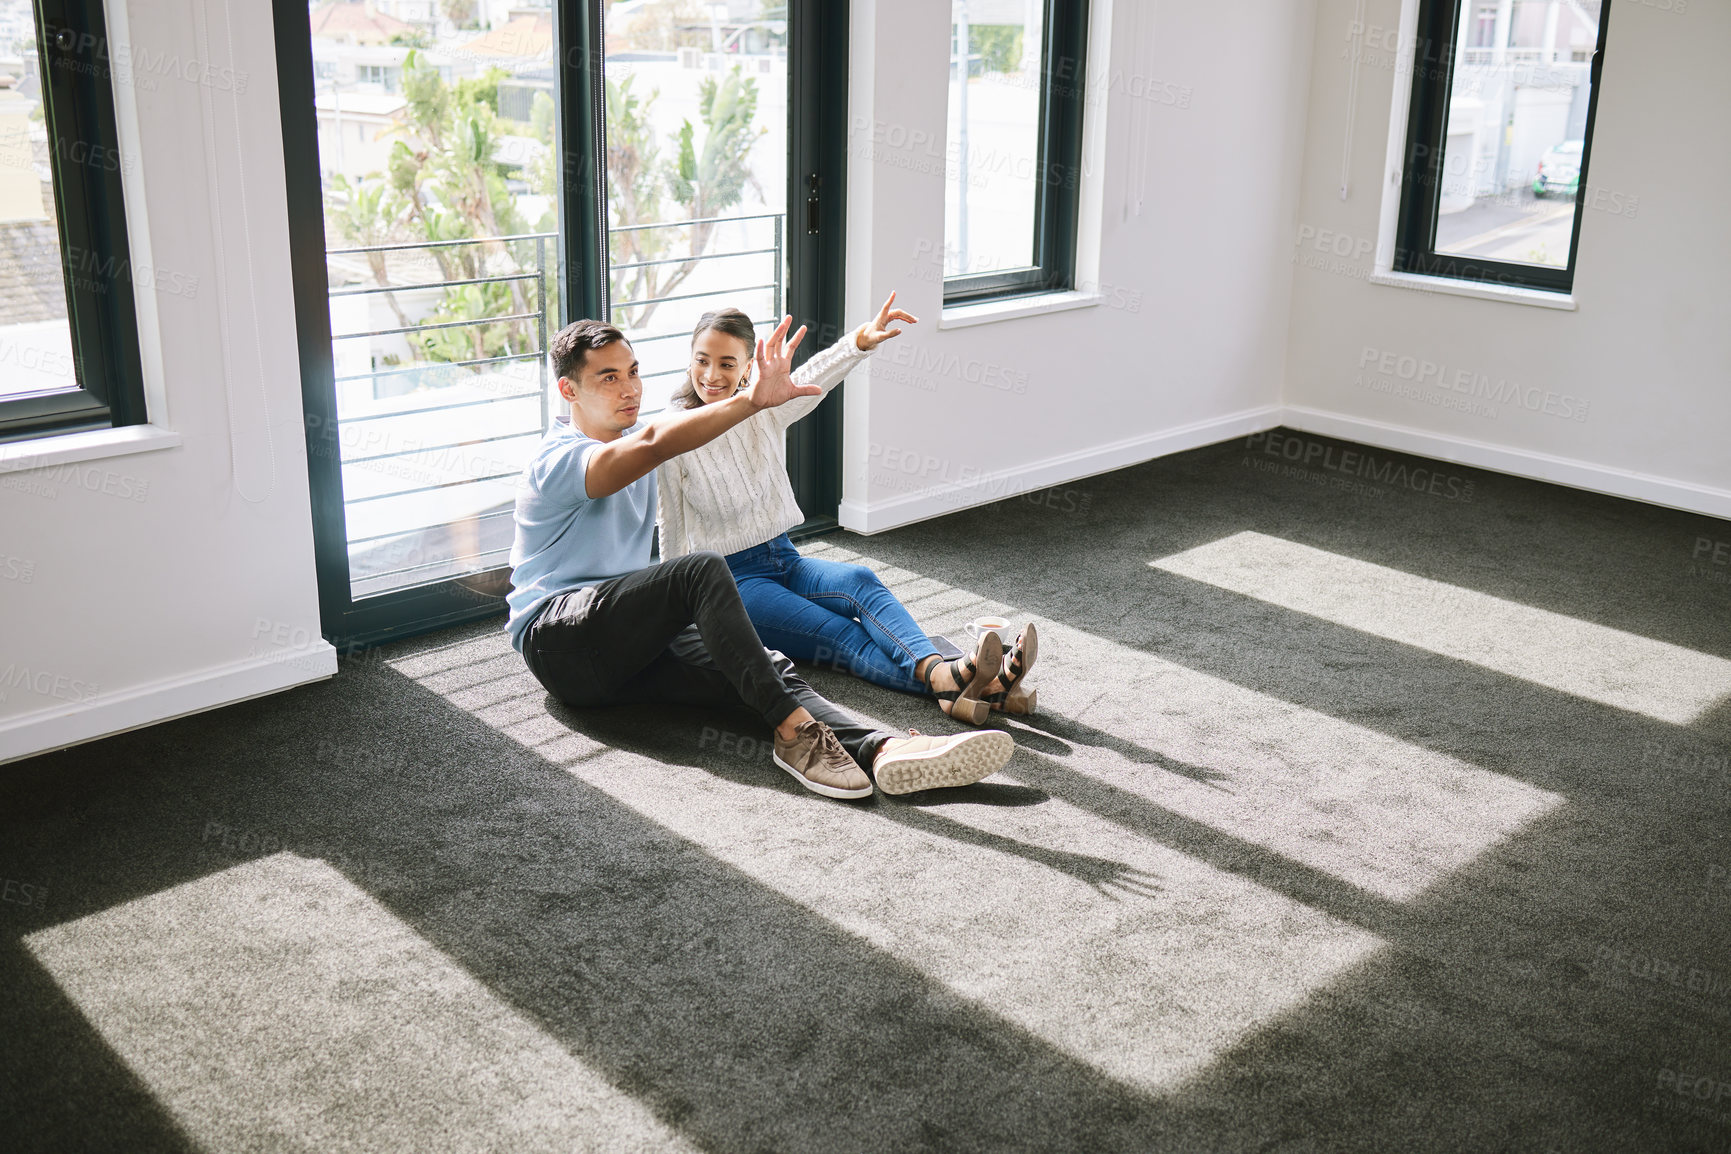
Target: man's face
<point>608,393</point>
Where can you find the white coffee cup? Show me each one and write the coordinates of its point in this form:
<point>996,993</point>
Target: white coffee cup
<point>1004,628</point>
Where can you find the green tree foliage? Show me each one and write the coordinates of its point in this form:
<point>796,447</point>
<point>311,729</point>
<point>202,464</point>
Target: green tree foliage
<point>541,114</point>
<point>363,214</point>
<point>635,172</point>
<point>713,180</point>
<point>704,180</point>
<point>443,183</point>
<point>999,46</point>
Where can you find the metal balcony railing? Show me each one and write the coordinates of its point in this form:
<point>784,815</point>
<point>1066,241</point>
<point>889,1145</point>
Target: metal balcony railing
<point>451,519</point>
<point>775,286</point>
<point>1483,56</point>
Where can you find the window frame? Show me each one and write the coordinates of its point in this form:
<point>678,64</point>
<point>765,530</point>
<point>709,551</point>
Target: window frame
<point>1435,51</point>
<point>1063,74</point>
<point>89,202</point>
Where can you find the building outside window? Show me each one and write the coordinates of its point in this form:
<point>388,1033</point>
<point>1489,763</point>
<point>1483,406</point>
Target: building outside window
<point>1013,160</point>
<point>1498,143</point>
<point>68,331</point>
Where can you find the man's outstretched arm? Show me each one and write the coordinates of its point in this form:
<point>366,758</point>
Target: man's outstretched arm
<point>618,463</point>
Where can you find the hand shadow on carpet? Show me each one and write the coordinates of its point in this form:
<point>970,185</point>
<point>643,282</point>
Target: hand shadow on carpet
<point>994,793</point>
<point>1040,731</point>
<point>643,730</point>
<point>1103,875</point>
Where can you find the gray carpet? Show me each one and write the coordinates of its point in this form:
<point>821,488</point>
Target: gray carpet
<point>1359,815</point>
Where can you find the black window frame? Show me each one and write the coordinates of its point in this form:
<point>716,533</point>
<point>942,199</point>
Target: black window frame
<point>78,109</point>
<point>1434,54</point>
<point>1057,196</point>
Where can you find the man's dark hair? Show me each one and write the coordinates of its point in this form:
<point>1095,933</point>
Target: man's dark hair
<point>574,341</point>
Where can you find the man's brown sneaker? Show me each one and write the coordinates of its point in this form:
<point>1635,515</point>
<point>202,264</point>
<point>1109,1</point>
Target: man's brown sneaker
<point>815,756</point>
<point>906,764</point>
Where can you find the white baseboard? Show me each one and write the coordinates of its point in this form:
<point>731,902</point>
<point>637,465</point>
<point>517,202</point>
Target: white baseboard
<point>47,730</point>
<point>937,500</point>
<point>1517,462</point>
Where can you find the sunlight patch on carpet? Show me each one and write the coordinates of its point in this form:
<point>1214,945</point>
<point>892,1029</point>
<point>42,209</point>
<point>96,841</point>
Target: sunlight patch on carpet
<point>1073,908</point>
<point>275,1005</point>
<point>1609,666</point>
<point>1386,816</point>
<point>1133,957</point>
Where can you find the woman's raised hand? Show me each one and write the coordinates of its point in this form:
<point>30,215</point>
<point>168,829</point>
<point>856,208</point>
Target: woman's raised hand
<point>876,331</point>
<point>774,384</point>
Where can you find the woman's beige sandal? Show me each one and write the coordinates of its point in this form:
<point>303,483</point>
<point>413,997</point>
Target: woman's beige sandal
<point>1016,697</point>
<point>973,674</point>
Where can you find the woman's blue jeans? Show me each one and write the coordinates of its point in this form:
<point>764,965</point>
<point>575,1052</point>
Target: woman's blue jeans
<point>829,613</point>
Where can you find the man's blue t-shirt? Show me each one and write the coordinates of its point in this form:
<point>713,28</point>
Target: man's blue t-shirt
<point>567,539</point>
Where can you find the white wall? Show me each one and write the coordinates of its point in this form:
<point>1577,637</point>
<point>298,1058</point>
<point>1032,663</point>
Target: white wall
<point>1207,102</point>
<point>1648,347</point>
<point>175,572</point>
<point>179,578</point>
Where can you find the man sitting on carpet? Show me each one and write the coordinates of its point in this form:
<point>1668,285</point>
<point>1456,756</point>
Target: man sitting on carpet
<point>599,625</point>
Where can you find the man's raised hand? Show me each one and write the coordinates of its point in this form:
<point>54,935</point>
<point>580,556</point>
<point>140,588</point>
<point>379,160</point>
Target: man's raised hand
<point>774,385</point>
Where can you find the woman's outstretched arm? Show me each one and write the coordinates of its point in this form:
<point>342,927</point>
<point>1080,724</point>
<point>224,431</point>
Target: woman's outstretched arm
<point>828,368</point>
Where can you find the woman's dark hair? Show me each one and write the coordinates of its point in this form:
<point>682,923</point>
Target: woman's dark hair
<point>733,323</point>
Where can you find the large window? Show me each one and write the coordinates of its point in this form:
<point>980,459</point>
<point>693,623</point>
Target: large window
<point>68,333</point>
<point>1498,139</point>
<point>458,191</point>
<point>1015,146</point>
<point>697,176</point>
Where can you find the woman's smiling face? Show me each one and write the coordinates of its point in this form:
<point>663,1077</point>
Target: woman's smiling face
<point>719,363</point>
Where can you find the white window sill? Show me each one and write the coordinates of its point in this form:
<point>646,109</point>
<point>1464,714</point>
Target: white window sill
<point>987,312</point>
<point>64,448</point>
<point>1465,288</point>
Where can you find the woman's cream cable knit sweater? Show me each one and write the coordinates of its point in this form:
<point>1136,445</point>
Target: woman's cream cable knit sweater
<point>733,493</point>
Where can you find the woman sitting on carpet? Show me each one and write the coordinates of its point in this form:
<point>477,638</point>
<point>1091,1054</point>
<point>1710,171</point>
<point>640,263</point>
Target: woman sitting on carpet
<point>733,496</point>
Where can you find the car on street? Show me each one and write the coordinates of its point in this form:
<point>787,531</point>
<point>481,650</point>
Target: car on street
<point>1560,169</point>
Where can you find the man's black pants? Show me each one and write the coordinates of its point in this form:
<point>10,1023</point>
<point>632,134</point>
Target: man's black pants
<point>677,633</point>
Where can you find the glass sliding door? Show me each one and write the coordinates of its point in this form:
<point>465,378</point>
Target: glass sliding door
<point>463,181</point>
<point>434,136</point>
<point>440,200</point>
<point>696,175</point>
<point>437,412</point>
<point>707,146</point>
